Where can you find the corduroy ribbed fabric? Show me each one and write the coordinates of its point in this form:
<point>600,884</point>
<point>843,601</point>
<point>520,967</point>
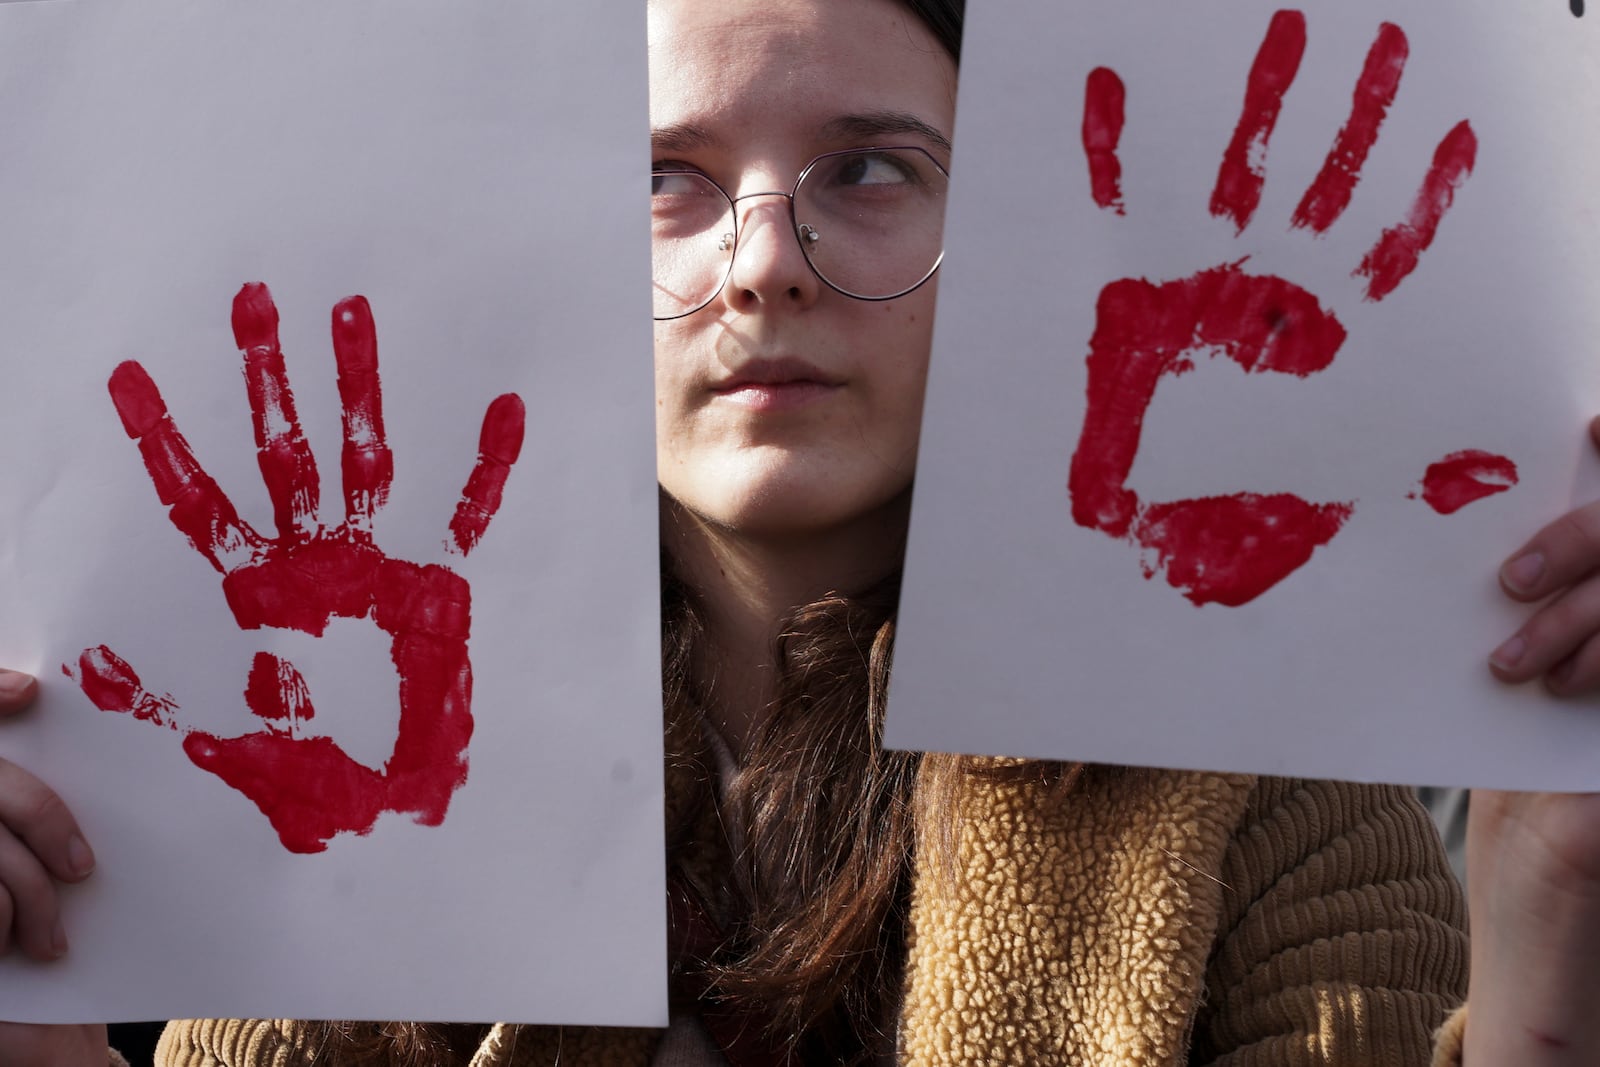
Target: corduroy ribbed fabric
<point>1354,954</point>
<point>1156,919</point>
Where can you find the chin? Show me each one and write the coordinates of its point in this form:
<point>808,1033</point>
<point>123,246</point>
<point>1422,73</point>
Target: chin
<point>785,511</point>
<point>777,512</point>
<point>772,495</point>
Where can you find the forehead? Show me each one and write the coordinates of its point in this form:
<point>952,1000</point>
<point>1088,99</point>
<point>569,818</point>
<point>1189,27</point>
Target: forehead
<point>734,65</point>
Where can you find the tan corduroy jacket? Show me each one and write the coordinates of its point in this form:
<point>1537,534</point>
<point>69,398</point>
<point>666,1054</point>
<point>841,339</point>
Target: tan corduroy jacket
<point>1162,918</point>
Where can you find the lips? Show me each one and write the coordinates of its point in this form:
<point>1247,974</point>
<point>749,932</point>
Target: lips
<point>770,386</point>
<point>768,373</point>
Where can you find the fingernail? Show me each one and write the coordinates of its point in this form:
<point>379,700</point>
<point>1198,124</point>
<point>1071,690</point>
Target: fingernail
<point>1524,572</point>
<point>13,684</point>
<point>1509,654</point>
<point>80,858</point>
<point>58,939</point>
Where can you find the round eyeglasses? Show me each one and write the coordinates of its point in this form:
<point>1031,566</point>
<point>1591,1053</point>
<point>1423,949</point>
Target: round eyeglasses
<point>869,220</point>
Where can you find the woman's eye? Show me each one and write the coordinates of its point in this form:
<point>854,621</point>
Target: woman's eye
<point>674,183</point>
<point>873,169</point>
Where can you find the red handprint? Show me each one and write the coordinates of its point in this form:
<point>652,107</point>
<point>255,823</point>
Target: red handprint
<point>1231,549</point>
<point>307,786</point>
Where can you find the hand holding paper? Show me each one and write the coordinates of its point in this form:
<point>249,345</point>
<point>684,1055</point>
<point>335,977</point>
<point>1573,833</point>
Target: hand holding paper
<point>40,843</point>
<point>309,787</point>
<point>1559,643</point>
<point>38,836</point>
<point>23,1045</point>
<point>1534,875</point>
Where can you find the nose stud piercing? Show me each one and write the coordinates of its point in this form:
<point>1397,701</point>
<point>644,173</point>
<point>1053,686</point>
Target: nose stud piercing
<point>808,234</point>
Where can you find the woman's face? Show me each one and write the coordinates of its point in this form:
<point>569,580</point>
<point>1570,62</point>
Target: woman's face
<point>784,407</point>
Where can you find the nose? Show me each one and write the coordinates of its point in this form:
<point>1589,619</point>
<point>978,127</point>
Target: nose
<point>769,270</point>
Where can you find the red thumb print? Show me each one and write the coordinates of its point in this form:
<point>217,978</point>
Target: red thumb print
<point>1231,549</point>
<point>309,574</point>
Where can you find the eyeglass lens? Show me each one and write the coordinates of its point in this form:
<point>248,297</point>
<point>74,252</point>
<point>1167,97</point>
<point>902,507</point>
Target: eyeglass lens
<point>871,224</point>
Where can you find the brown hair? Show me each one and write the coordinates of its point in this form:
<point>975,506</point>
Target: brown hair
<point>830,821</point>
<point>395,1044</point>
<point>820,883</point>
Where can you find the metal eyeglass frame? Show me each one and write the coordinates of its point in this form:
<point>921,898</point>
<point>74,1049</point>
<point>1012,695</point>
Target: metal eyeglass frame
<point>803,232</point>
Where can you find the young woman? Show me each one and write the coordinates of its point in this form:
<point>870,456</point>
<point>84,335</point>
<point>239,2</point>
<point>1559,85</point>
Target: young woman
<point>833,903</point>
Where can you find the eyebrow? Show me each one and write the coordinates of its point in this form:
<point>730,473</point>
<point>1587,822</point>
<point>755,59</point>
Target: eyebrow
<point>687,136</point>
<point>681,137</point>
<point>880,123</point>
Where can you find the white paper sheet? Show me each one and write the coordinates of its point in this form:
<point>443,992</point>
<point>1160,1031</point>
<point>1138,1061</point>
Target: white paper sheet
<point>471,170</point>
<point>1054,622</point>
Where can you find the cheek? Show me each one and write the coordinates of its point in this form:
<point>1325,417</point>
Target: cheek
<point>671,367</point>
<point>670,391</point>
<point>914,318</point>
<point>907,373</point>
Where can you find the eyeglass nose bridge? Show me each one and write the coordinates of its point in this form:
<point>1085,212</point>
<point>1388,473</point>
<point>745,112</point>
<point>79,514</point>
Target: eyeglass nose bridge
<point>805,233</point>
<point>771,192</point>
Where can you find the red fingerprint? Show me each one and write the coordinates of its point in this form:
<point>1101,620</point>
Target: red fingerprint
<point>111,685</point>
<point>499,445</point>
<point>1397,251</point>
<point>1329,194</point>
<point>1462,477</point>
<point>1103,115</point>
<point>288,469</point>
<point>1240,179</point>
<point>366,461</point>
<point>195,504</point>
